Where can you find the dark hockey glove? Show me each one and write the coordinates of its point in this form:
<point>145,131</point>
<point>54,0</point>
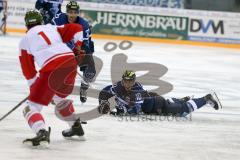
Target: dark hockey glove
<point>121,110</point>
<point>104,107</point>
<point>86,47</point>
<point>46,15</point>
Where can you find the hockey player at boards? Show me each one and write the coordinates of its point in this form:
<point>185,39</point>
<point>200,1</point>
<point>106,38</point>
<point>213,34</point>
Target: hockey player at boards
<point>88,69</point>
<point>45,46</point>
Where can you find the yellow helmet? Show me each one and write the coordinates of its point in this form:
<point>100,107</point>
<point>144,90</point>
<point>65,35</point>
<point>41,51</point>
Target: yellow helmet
<point>129,75</point>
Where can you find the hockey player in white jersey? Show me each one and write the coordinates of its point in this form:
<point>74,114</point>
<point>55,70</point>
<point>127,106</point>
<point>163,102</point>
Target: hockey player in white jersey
<point>45,46</point>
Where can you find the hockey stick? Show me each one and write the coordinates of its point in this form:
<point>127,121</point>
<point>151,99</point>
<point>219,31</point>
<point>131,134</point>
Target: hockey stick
<point>14,108</point>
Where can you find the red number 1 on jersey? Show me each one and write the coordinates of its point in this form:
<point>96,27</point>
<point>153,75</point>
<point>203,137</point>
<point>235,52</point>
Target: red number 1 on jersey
<point>45,37</point>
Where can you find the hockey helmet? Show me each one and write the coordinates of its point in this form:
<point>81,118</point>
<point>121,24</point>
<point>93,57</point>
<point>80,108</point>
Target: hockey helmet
<point>129,75</point>
<point>73,5</point>
<point>33,17</point>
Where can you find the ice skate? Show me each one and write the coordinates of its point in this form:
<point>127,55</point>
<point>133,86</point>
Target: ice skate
<point>213,101</point>
<point>42,138</point>
<point>185,99</point>
<point>83,92</point>
<point>75,130</point>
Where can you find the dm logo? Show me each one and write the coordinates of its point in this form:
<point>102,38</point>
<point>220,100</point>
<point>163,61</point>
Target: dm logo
<point>198,25</point>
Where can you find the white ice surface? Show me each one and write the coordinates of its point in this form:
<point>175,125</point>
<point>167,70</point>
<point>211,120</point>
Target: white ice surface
<point>191,70</point>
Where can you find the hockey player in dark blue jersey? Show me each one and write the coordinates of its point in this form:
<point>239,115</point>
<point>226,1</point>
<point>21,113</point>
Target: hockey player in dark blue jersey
<point>1,6</point>
<point>3,16</point>
<point>132,99</point>
<point>88,66</point>
<point>48,9</point>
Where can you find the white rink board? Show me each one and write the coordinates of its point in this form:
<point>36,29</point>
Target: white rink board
<point>230,26</point>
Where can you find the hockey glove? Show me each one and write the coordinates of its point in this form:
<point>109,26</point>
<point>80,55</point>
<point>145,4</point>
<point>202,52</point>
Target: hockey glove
<point>104,107</point>
<point>121,110</point>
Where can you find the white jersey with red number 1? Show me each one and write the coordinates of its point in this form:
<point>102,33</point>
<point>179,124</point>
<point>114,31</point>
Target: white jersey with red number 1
<point>44,43</point>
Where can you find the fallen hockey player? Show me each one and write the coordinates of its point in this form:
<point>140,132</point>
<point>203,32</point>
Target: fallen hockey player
<point>132,99</point>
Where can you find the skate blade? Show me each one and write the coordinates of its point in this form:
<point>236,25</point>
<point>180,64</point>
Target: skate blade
<point>42,145</point>
<point>28,143</point>
<point>218,101</point>
<point>76,138</point>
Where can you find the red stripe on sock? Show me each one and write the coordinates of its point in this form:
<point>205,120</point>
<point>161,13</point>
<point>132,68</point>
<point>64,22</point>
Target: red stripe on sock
<point>34,118</point>
<point>69,110</point>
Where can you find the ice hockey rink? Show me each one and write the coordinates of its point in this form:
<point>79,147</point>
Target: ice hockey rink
<point>192,70</point>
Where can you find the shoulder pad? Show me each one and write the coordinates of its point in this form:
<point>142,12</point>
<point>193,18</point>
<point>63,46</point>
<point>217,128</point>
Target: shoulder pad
<point>83,22</point>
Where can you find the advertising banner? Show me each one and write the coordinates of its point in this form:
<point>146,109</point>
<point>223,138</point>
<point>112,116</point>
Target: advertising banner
<point>224,30</point>
<point>147,3</point>
<point>139,21</point>
<point>141,25</point>
<point>16,12</point>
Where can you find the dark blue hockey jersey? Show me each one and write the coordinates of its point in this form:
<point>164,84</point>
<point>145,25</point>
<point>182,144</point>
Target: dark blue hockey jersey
<point>1,6</point>
<point>61,19</point>
<point>48,8</point>
<point>130,102</point>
